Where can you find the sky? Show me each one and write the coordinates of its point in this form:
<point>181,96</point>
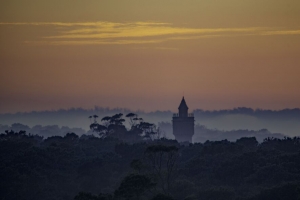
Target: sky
<point>146,55</point>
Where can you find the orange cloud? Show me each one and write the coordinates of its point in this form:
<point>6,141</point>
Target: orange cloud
<point>99,33</point>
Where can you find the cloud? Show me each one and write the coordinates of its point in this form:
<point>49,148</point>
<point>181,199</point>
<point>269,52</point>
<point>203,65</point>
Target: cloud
<point>104,33</point>
<point>136,30</point>
<point>282,32</point>
<point>92,42</point>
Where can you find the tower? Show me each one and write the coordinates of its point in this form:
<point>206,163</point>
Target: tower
<point>183,123</point>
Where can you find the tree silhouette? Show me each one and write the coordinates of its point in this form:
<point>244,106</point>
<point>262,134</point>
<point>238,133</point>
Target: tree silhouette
<point>100,129</point>
<point>90,117</point>
<point>95,117</point>
<point>162,161</point>
<point>134,186</point>
<point>113,126</point>
<point>131,117</point>
<point>89,196</point>
<point>162,197</point>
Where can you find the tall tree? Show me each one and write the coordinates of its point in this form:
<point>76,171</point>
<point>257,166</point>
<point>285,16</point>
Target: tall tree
<point>162,161</point>
<point>134,186</point>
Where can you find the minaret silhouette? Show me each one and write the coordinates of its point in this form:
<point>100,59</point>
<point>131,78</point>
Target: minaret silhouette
<point>183,123</point>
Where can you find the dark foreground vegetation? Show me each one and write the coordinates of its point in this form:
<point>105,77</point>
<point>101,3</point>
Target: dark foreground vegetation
<point>135,165</point>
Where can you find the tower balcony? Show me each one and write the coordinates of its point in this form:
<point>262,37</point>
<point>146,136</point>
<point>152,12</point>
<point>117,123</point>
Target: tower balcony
<point>189,115</point>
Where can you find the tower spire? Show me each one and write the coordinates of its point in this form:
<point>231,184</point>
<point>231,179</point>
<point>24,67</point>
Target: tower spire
<point>183,104</point>
<point>183,108</point>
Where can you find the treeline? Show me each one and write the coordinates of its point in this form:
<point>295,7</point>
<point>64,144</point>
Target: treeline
<point>273,120</point>
<point>88,167</point>
<point>288,112</point>
<point>202,133</point>
<point>44,131</point>
<point>260,113</point>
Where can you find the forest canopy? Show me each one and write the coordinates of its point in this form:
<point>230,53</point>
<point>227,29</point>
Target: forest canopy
<point>115,167</point>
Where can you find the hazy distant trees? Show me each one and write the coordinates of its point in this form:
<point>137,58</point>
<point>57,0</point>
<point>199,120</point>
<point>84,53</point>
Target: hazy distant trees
<point>44,131</point>
<point>134,133</point>
<point>277,121</point>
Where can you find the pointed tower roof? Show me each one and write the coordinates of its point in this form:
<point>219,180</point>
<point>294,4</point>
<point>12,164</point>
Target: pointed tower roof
<point>183,104</point>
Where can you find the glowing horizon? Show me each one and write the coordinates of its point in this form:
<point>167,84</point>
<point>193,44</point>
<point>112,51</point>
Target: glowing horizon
<point>145,55</point>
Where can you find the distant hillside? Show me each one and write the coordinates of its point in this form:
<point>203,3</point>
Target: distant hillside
<point>276,121</point>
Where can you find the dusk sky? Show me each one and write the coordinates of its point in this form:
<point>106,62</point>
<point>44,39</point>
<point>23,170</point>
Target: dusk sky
<point>147,54</point>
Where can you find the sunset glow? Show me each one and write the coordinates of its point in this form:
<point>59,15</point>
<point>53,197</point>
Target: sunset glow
<point>148,54</point>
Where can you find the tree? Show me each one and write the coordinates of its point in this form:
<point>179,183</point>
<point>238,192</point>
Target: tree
<point>132,116</point>
<point>134,186</point>
<point>148,130</point>
<point>85,196</point>
<point>162,197</point>
<point>163,164</point>
<point>89,196</point>
<point>137,165</point>
<point>144,129</point>
<point>111,125</point>
<point>100,129</point>
<point>90,117</point>
<point>71,136</point>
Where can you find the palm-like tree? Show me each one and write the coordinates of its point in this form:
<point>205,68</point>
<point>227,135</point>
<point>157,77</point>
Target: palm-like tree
<point>90,117</point>
<point>95,118</point>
